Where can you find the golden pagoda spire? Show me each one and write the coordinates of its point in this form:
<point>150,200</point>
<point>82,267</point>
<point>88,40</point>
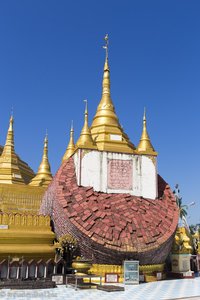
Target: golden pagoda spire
<point>145,146</point>
<point>9,162</point>
<point>106,75</point>
<point>85,140</point>
<point>43,176</point>
<point>10,135</point>
<point>71,146</point>
<point>106,129</point>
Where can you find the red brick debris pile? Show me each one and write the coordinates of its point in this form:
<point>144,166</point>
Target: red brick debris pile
<point>112,227</point>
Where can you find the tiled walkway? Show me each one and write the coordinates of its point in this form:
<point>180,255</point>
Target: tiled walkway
<point>171,289</point>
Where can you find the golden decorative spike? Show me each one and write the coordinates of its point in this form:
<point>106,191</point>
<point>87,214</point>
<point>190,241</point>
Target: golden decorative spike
<point>71,146</point>
<point>106,129</point>
<point>10,135</point>
<point>9,161</point>
<point>85,140</point>
<point>43,176</point>
<point>145,146</point>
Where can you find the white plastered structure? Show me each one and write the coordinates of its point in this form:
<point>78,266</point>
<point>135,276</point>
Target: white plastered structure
<point>92,170</point>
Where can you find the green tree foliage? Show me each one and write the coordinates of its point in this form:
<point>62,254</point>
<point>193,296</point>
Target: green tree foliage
<point>182,208</point>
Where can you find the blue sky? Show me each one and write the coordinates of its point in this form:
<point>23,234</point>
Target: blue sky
<point>51,58</point>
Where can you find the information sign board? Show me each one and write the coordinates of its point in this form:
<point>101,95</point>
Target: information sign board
<point>131,272</point>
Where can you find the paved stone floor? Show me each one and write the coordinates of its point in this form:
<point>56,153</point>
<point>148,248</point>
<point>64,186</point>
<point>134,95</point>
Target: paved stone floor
<point>161,290</point>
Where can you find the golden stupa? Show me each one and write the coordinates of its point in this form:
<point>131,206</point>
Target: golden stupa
<point>106,130</point>
<point>12,169</point>
<point>23,233</point>
<point>105,133</point>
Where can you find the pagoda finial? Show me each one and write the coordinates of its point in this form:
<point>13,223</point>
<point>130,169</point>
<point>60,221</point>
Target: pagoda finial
<point>85,140</point>
<point>12,111</point>
<point>106,74</point>
<point>106,48</point>
<point>43,176</point>
<point>145,146</point>
<point>45,151</point>
<point>71,146</point>
<point>86,107</point>
<point>10,135</point>
<point>144,116</point>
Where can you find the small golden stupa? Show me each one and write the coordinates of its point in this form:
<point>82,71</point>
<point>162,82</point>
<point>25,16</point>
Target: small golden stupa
<point>71,146</point>
<point>85,140</point>
<point>43,176</point>
<point>145,146</point>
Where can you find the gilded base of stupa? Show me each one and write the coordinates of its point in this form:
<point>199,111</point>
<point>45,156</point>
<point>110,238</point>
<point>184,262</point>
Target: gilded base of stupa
<point>149,272</point>
<point>26,236</point>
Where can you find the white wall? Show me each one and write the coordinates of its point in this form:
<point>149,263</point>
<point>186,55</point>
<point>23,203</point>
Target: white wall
<point>92,170</point>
